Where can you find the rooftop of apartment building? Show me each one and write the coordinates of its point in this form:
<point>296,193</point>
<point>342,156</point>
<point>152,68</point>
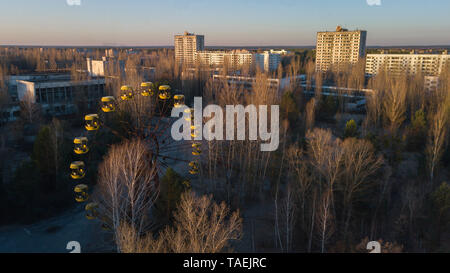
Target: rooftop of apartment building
<point>341,29</point>
<point>412,52</point>
<point>186,33</point>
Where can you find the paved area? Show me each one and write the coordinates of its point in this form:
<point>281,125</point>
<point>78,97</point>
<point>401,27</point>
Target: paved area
<point>52,235</point>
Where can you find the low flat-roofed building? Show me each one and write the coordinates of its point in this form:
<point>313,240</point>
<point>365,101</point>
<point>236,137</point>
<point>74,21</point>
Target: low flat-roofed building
<point>247,82</point>
<point>58,96</point>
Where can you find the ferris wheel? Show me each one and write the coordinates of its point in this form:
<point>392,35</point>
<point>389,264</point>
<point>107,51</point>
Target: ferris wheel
<point>147,122</point>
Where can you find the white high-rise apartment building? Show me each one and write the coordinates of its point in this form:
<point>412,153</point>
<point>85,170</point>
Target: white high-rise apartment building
<point>210,58</point>
<point>186,46</point>
<point>234,58</point>
<point>190,50</point>
<point>340,47</point>
<point>410,64</point>
<point>268,61</point>
<point>238,58</point>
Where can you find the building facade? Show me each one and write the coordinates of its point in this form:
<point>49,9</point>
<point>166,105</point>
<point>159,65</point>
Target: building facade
<point>106,67</point>
<point>217,58</point>
<point>58,95</point>
<point>340,47</point>
<point>268,61</point>
<point>186,46</point>
<point>276,85</point>
<point>410,64</point>
<point>236,59</point>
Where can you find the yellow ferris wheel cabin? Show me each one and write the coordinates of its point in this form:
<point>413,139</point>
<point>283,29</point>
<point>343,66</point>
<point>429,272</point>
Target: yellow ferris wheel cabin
<point>126,92</point>
<point>92,122</point>
<point>77,170</point>
<point>147,89</point>
<point>81,146</point>
<point>164,92</point>
<point>108,104</point>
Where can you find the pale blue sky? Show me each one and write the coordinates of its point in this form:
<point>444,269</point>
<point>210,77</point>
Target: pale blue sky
<point>226,22</point>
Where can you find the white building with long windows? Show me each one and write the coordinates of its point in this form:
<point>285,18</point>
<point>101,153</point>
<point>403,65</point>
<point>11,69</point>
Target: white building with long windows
<point>58,94</point>
<point>268,61</point>
<point>410,64</point>
<point>216,58</point>
<point>190,51</point>
<point>236,59</point>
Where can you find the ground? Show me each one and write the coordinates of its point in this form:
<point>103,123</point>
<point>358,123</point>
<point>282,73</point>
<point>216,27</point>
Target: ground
<point>52,235</point>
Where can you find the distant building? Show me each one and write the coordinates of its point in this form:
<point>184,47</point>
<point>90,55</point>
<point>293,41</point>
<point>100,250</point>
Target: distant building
<point>190,51</point>
<point>210,57</point>
<point>340,47</point>
<point>281,51</point>
<point>110,53</point>
<point>268,61</point>
<point>57,94</point>
<point>278,85</point>
<point>410,64</point>
<point>234,59</point>
<point>105,67</point>
<point>186,46</point>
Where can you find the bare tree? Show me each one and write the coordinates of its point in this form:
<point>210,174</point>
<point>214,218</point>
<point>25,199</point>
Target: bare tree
<point>287,219</point>
<point>200,226</point>
<point>319,84</point>
<point>356,77</point>
<point>299,170</point>
<point>237,161</point>
<point>359,164</point>
<point>395,104</point>
<point>57,138</point>
<point>310,69</point>
<point>127,186</point>
<point>325,219</point>
<point>130,241</point>
<point>325,155</point>
<point>30,110</point>
<point>310,114</point>
<point>436,140</point>
<point>374,100</point>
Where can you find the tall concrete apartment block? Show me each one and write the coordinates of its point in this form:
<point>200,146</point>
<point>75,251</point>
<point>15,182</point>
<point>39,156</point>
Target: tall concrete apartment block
<point>340,47</point>
<point>186,46</point>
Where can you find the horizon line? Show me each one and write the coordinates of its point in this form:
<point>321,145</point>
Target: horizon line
<point>223,46</point>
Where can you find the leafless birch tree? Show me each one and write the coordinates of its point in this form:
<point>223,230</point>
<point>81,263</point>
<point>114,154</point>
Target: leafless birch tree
<point>127,186</point>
